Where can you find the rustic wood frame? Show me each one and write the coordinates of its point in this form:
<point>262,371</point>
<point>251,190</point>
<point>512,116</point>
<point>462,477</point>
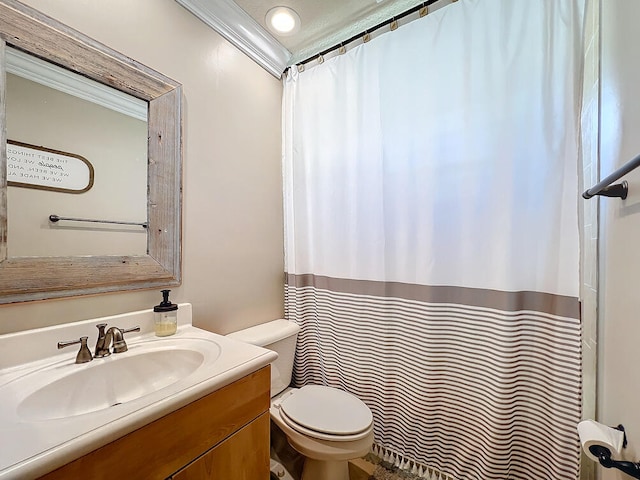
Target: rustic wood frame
<point>36,278</point>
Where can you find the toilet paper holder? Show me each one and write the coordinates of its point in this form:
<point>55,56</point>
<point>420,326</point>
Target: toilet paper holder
<point>604,457</point>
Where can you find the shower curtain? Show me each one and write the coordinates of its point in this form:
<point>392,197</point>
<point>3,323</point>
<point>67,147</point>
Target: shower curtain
<point>431,223</point>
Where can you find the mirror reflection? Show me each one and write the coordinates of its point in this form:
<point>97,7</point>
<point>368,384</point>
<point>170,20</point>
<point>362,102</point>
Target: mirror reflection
<point>98,130</point>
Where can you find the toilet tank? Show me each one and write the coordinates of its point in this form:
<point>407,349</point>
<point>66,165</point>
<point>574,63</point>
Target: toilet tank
<point>279,336</point>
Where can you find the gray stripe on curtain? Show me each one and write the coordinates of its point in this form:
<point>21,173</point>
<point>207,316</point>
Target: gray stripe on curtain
<point>508,301</point>
<point>478,391</point>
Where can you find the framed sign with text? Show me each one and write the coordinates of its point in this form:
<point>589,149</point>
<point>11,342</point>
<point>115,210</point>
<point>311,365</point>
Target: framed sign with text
<point>32,166</point>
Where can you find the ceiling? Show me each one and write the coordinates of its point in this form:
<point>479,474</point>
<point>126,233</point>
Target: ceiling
<point>326,23</point>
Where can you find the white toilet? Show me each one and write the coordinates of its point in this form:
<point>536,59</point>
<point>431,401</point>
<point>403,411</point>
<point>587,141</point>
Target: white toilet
<point>326,425</point>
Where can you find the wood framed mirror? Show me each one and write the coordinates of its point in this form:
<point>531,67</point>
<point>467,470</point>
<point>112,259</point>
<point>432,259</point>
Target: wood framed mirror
<point>42,277</point>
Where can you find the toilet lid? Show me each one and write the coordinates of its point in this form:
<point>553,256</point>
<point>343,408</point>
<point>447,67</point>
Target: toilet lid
<point>319,411</point>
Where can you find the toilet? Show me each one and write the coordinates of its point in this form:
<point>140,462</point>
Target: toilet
<point>326,425</point>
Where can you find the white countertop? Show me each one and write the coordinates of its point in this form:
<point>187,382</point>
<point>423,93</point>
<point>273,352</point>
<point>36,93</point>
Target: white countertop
<point>30,448</point>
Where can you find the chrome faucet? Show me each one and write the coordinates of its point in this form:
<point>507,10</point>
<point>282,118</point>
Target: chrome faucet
<point>114,335</point>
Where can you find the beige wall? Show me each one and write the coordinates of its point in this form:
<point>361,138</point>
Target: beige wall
<point>619,303</point>
<point>232,230</point>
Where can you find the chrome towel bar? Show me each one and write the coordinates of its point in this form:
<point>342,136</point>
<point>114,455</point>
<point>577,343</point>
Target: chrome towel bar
<point>56,218</point>
<point>620,190</point>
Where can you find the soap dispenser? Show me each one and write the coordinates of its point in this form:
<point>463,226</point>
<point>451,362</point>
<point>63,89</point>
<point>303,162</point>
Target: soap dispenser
<point>165,316</point>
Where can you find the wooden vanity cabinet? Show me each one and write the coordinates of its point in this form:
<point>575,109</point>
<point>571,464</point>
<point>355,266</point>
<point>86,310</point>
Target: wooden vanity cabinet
<point>239,457</point>
<point>224,435</point>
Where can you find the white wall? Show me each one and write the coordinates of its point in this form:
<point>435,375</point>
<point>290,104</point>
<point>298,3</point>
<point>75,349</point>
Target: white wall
<point>619,303</point>
<point>232,230</point>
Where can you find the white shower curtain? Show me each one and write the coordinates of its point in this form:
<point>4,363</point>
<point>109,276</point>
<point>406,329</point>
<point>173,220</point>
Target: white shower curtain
<point>432,247</point>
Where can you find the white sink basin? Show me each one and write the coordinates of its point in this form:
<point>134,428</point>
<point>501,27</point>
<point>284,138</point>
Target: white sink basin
<point>64,389</point>
<point>105,382</point>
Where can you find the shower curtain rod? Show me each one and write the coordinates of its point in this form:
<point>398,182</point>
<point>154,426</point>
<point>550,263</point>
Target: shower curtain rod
<point>620,190</point>
<point>369,30</point>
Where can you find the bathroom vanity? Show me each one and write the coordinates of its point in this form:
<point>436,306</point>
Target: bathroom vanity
<point>223,435</point>
<point>194,405</point>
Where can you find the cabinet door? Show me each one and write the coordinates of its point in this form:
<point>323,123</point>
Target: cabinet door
<point>242,456</point>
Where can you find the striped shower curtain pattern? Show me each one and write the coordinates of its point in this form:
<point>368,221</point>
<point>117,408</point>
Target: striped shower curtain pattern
<point>469,383</point>
<point>431,236</point>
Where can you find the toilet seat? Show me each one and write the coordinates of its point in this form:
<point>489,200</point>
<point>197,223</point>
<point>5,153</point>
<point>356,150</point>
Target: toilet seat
<point>326,413</point>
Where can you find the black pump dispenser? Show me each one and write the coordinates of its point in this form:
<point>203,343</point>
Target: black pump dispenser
<point>165,305</point>
<point>165,316</point>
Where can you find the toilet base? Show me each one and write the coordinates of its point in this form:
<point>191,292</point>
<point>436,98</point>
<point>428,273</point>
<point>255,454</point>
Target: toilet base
<point>278,471</point>
<point>325,469</point>
<point>323,459</point>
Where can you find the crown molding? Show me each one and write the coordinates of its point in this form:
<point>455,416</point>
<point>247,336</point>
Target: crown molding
<point>58,78</point>
<point>234,24</point>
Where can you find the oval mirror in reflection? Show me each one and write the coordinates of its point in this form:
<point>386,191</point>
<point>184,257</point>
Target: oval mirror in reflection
<point>64,118</point>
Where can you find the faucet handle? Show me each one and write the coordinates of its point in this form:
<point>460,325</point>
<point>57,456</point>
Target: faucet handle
<point>84,354</point>
<point>119,345</point>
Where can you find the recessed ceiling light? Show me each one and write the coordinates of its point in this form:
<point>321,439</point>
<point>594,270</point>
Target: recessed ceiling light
<point>283,21</point>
